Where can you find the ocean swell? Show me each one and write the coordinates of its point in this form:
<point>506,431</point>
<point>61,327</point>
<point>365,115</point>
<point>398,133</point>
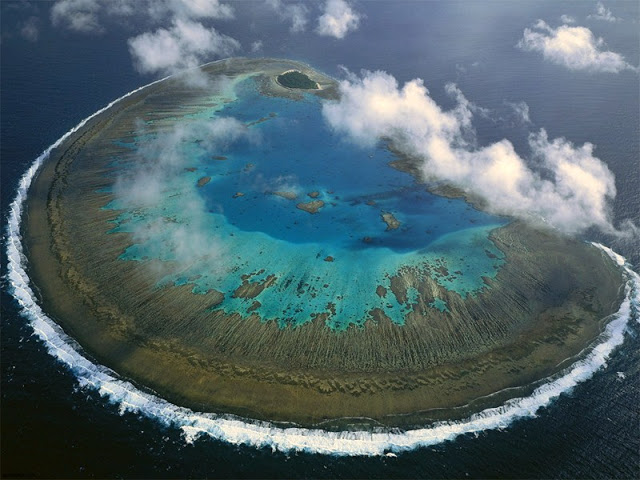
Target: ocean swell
<point>262,434</point>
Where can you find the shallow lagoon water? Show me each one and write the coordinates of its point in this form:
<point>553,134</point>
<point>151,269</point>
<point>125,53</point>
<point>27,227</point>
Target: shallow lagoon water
<point>328,261</point>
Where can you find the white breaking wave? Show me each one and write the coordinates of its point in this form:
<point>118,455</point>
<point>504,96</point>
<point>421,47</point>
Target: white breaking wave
<point>263,434</point>
<point>616,257</point>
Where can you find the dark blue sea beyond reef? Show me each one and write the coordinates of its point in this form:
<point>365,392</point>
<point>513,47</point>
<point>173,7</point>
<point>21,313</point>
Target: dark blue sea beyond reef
<point>50,428</point>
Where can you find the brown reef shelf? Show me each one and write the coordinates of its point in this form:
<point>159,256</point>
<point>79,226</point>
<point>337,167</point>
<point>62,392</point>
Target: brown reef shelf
<point>311,207</point>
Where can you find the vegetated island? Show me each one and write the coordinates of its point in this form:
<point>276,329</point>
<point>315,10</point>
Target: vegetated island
<point>296,79</point>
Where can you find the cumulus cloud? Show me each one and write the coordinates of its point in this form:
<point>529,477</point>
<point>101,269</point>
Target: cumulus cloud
<point>573,47</point>
<point>185,41</point>
<point>157,173</point>
<point>338,19</point>
<point>295,13</point>
<point>567,19</point>
<point>185,44</point>
<point>603,13</point>
<point>561,185</point>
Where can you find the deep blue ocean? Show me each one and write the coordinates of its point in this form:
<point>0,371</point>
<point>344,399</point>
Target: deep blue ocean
<point>51,428</point>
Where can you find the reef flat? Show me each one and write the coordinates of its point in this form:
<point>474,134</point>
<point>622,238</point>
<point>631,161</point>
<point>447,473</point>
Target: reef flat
<point>269,312</point>
<point>311,207</point>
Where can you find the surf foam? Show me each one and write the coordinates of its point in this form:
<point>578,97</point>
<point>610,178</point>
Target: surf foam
<point>262,434</point>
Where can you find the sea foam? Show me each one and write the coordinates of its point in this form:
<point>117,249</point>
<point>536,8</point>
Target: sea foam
<point>263,434</point>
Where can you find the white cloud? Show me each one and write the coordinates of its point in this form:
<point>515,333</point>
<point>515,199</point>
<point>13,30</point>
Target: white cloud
<point>296,13</point>
<point>256,46</point>
<point>121,7</point>
<point>520,110</point>
<point>573,47</point>
<point>185,44</point>
<point>87,16</point>
<point>187,9</point>
<point>158,172</point>
<point>206,9</point>
<point>78,15</point>
<point>338,19</point>
<point>30,29</point>
<point>603,13</point>
<point>567,19</point>
<point>569,189</point>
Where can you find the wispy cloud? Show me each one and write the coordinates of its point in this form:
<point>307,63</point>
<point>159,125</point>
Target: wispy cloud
<point>337,19</point>
<point>256,46</point>
<point>186,40</point>
<point>520,110</point>
<point>576,48</point>
<point>603,13</point>
<point>158,173</point>
<point>160,10</point>
<point>567,19</point>
<point>295,13</point>
<point>78,15</point>
<point>561,185</point>
<point>87,16</point>
<point>30,29</point>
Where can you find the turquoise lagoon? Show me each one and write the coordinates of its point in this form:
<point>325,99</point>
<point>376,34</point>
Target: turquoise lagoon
<point>331,261</point>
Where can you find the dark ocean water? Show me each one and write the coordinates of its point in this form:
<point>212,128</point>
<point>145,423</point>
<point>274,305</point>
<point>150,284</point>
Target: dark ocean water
<point>50,428</point>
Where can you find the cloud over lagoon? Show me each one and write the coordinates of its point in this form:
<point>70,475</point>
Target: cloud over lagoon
<point>562,185</point>
<point>158,173</point>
